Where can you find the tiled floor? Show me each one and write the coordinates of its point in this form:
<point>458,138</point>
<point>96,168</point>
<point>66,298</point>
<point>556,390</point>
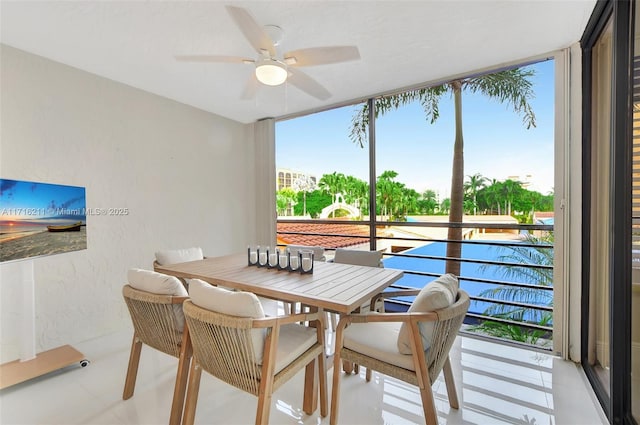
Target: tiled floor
<point>497,384</point>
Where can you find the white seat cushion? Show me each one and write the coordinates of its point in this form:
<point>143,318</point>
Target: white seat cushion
<point>161,284</point>
<point>436,295</point>
<point>175,256</point>
<point>293,341</point>
<point>377,340</point>
<point>270,307</point>
<point>232,303</point>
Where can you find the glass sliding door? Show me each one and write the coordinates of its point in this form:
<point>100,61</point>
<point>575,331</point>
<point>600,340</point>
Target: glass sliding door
<point>600,220</point>
<point>611,209</point>
<point>635,230</point>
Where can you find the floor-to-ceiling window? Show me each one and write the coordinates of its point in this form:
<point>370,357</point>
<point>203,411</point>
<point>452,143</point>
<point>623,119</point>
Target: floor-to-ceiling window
<point>611,181</point>
<point>599,300</point>
<point>635,208</point>
<point>388,164</point>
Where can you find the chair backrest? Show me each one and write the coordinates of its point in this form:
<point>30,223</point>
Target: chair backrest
<point>224,346</point>
<point>318,251</point>
<point>358,257</point>
<point>175,256</point>
<point>445,331</point>
<point>154,319</point>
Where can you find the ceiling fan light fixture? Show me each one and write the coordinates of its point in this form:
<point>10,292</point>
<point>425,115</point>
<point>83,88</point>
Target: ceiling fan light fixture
<point>271,72</point>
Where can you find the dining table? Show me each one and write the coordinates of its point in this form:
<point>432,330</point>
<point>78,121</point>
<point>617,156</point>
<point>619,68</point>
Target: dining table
<point>335,287</point>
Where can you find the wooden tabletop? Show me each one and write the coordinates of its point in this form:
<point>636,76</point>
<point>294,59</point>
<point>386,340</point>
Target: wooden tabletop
<point>337,287</point>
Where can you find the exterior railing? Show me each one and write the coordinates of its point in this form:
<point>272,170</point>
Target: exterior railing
<point>480,302</point>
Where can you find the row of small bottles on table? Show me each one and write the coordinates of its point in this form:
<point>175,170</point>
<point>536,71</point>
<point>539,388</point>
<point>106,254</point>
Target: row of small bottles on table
<point>280,259</point>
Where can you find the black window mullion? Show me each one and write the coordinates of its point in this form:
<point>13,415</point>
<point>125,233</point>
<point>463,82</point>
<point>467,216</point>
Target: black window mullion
<point>620,212</point>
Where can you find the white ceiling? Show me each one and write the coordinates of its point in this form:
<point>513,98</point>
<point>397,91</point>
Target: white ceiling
<point>402,43</point>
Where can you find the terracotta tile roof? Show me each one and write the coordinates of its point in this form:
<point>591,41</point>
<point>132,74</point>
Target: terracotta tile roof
<point>543,214</point>
<point>362,233</point>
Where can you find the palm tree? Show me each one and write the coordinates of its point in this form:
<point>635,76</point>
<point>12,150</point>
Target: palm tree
<point>509,190</point>
<point>408,202</point>
<point>473,185</point>
<point>285,199</point>
<point>360,194</point>
<point>512,86</point>
<point>428,201</point>
<point>389,192</point>
<point>332,184</point>
<point>445,205</point>
<point>355,190</point>
<point>492,194</point>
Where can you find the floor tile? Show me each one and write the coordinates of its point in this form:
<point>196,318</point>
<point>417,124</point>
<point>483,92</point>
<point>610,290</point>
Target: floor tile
<point>497,384</point>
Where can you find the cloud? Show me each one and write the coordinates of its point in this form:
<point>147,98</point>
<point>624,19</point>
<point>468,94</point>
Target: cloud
<point>71,201</point>
<point>6,186</point>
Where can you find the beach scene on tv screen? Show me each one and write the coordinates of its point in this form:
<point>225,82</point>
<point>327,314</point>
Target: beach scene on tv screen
<point>39,219</point>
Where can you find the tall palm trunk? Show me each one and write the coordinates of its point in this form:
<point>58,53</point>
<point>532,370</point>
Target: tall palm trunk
<point>454,249</point>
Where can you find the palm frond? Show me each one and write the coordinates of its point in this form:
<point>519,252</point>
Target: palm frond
<point>359,124</point>
<point>520,314</point>
<point>512,332</point>
<point>512,86</point>
<point>518,294</point>
<point>428,97</point>
<point>515,254</point>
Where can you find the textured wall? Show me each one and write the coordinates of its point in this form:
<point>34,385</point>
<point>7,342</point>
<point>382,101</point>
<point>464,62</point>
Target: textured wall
<point>186,176</point>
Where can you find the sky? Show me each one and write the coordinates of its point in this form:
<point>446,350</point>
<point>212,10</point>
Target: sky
<point>496,143</point>
<point>24,201</point>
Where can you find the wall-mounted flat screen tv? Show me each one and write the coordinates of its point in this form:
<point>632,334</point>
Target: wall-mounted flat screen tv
<point>38,219</point>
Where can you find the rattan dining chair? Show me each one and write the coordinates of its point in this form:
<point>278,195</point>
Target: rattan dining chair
<point>155,305</point>
<point>318,251</point>
<point>355,257</point>
<point>234,341</point>
<point>358,257</point>
<point>175,256</point>
<point>380,341</point>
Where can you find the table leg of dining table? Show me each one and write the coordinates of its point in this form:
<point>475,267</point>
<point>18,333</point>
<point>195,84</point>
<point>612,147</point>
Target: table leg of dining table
<point>310,399</point>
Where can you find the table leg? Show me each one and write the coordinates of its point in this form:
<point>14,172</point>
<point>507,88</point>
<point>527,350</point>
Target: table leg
<point>349,367</point>
<point>310,398</point>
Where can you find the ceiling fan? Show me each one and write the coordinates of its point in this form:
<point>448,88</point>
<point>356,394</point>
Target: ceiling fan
<point>272,69</point>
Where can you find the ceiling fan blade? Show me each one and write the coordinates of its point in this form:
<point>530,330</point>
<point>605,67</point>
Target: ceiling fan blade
<point>253,32</point>
<point>250,88</point>
<point>212,58</point>
<point>307,84</point>
<point>322,55</point>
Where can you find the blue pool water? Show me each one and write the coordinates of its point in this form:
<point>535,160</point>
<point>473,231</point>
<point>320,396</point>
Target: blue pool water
<point>469,251</point>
